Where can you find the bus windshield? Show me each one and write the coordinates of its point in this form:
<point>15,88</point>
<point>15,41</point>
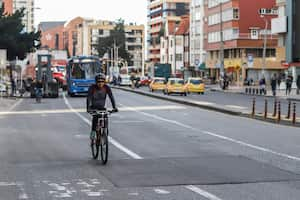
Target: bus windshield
<point>85,70</point>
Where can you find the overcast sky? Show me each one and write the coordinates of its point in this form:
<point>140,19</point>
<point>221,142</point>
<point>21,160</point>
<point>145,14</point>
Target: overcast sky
<point>64,10</point>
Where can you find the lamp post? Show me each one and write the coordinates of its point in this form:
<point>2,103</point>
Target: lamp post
<point>265,45</point>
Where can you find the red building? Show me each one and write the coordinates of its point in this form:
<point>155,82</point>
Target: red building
<point>8,6</point>
<point>52,35</point>
<point>243,26</point>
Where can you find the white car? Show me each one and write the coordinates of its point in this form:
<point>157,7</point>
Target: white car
<point>2,87</point>
<point>125,80</point>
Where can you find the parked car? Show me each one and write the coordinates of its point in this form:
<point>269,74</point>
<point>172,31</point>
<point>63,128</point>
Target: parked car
<point>195,85</point>
<point>145,81</point>
<point>3,87</point>
<point>157,83</point>
<point>125,80</point>
<point>175,85</point>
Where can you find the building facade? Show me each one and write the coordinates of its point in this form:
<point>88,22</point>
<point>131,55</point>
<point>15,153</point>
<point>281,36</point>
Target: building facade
<point>175,46</point>
<point>197,52</point>
<point>89,33</point>
<point>52,35</point>
<point>160,14</point>
<point>246,32</point>
<point>10,6</point>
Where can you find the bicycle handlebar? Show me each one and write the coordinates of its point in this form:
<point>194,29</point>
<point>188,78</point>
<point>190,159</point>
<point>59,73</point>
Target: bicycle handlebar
<point>101,112</point>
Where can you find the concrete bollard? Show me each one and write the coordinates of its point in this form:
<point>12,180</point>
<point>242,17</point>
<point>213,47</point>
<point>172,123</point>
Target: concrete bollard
<point>275,108</point>
<point>253,108</point>
<point>279,112</point>
<point>294,114</point>
<point>266,109</point>
<point>288,116</point>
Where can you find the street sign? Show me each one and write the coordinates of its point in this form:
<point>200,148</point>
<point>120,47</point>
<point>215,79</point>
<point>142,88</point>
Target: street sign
<point>250,60</point>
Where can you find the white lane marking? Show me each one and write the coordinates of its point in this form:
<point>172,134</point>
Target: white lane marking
<point>202,192</point>
<point>221,136</point>
<point>133,194</point>
<point>205,103</point>
<point>62,111</point>
<point>15,105</point>
<point>8,184</point>
<point>252,146</point>
<point>236,107</point>
<point>111,140</point>
<point>160,191</point>
<point>23,196</point>
<point>94,194</point>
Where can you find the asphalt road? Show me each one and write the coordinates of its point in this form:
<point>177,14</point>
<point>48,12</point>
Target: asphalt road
<point>158,150</point>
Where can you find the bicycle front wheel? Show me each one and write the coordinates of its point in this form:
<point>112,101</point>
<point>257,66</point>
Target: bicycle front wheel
<point>104,145</point>
<point>95,143</point>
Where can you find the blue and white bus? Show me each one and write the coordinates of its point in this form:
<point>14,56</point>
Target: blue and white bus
<point>81,72</point>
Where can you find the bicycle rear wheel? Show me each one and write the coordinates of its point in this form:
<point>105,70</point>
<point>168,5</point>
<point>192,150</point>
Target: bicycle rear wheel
<point>104,145</point>
<point>95,143</point>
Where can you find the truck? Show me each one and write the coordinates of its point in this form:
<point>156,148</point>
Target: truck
<point>44,74</point>
<point>161,70</point>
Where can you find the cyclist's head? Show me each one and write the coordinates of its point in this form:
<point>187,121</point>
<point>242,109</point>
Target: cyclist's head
<point>100,80</point>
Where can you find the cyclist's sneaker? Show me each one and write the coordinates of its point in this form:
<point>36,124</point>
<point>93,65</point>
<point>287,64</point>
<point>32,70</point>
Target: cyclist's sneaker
<point>92,135</point>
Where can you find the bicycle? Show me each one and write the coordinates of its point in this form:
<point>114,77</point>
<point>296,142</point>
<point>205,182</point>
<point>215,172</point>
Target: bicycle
<point>101,137</point>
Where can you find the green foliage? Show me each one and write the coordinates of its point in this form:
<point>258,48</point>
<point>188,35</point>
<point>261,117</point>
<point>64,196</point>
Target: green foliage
<point>12,37</point>
<point>117,36</point>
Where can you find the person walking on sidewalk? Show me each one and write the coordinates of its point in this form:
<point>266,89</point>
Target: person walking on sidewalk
<point>262,85</point>
<point>289,82</point>
<point>298,84</point>
<point>274,84</point>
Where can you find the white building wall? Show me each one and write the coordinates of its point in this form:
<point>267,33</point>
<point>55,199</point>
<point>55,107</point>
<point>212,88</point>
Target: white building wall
<point>197,53</point>
<point>179,52</point>
<point>28,19</point>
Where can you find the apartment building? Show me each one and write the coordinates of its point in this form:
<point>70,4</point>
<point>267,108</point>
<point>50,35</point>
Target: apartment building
<point>197,51</point>
<point>89,33</point>
<point>175,46</point>
<point>160,14</point>
<point>10,6</point>
<point>288,29</point>
<point>246,27</point>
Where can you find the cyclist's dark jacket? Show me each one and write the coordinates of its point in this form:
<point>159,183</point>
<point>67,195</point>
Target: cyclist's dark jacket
<point>97,97</point>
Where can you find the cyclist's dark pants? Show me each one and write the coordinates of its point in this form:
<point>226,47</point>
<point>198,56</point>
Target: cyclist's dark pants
<point>95,121</point>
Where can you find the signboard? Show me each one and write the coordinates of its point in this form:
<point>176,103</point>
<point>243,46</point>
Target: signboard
<point>250,60</point>
<point>279,25</point>
<point>3,57</point>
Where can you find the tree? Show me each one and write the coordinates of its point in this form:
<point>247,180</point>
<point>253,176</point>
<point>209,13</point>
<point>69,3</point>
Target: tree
<point>13,38</point>
<point>118,37</point>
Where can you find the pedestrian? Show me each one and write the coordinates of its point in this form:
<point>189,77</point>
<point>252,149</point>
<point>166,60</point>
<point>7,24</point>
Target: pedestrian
<point>274,84</point>
<point>279,80</point>
<point>262,85</point>
<point>298,84</point>
<point>288,88</point>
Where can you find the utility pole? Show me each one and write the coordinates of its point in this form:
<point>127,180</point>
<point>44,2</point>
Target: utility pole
<point>265,46</point>
<point>222,41</point>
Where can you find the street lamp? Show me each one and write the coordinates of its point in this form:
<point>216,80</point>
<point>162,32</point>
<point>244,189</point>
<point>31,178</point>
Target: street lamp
<point>265,44</point>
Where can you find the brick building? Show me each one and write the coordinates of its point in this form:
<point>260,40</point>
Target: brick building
<point>243,25</point>
<point>52,35</point>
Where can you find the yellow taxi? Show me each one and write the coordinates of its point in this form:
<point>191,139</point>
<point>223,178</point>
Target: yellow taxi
<point>175,85</point>
<point>195,85</point>
<point>157,83</point>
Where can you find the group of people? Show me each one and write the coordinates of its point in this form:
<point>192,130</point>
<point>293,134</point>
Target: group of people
<point>288,81</point>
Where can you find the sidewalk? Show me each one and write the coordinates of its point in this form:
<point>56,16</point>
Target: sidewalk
<point>241,90</point>
<point>6,103</point>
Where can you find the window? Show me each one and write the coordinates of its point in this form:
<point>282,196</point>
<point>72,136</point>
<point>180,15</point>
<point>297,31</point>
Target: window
<point>178,57</point>
<point>254,34</point>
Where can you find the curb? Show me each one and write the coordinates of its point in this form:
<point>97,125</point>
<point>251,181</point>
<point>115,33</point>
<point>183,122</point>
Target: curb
<point>212,108</point>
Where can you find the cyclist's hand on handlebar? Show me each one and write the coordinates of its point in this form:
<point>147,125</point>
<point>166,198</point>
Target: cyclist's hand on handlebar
<point>115,110</point>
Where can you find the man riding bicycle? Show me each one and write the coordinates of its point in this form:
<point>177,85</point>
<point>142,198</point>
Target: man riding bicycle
<point>96,99</point>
